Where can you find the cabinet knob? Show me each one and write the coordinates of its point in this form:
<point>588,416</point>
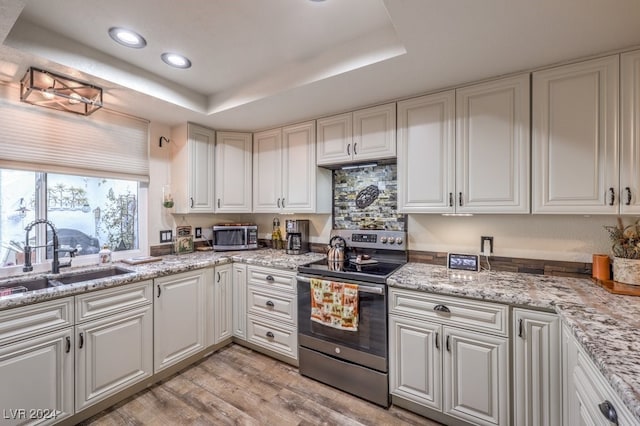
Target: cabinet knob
<point>612,196</point>
<point>270,304</point>
<point>269,278</point>
<point>270,335</point>
<point>628,191</point>
<point>609,412</point>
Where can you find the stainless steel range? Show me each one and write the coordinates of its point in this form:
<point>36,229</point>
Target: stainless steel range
<point>353,359</point>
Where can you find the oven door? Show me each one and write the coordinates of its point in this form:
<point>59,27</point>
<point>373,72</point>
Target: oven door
<point>367,346</point>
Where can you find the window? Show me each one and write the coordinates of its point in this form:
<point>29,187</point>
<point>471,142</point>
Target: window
<point>88,212</point>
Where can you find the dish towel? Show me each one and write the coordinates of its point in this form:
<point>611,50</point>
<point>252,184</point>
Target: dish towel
<point>334,304</point>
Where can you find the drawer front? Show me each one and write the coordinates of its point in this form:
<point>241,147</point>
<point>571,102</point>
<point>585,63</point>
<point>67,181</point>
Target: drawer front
<point>27,321</point>
<point>271,278</point>
<point>106,302</point>
<point>273,336</point>
<point>470,314</point>
<point>273,305</point>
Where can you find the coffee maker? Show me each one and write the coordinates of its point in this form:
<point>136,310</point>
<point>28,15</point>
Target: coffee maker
<point>297,236</point>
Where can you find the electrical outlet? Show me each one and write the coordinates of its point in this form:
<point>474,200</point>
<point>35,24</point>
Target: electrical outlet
<point>486,246</point>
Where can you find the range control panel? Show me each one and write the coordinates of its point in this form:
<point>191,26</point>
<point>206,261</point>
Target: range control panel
<point>388,240</point>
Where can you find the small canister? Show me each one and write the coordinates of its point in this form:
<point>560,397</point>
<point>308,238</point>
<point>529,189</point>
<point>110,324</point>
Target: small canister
<point>600,268</point>
<point>105,254</point>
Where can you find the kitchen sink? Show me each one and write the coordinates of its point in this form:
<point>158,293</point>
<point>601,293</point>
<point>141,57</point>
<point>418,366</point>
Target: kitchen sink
<point>92,275</point>
<point>21,286</point>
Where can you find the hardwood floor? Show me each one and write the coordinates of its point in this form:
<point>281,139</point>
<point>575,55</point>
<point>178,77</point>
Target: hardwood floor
<point>239,386</point>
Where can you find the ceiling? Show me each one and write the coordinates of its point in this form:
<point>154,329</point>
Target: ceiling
<point>263,63</point>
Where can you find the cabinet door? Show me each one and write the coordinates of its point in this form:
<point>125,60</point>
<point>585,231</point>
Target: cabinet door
<point>267,171</point>
<point>334,140</point>
<point>37,374</point>
<point>492,146</point>
<point>374,133</point>
<point>223,324</point>
<point>415,361</point>
<point>426,144</point>
<point>240,300</point>
<point>476,378</point>
<point>299,168</point>
<point>575,138</point>
<point>179,316</point>
<point>233,172</point>
<point>630,134</point>
<point>112,354</point>
<point>201,151</point>
<point>536,368</point>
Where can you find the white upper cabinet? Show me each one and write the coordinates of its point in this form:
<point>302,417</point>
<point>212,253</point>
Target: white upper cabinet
<point>233,172</point>
<point>630,134</point>
<point>426,148</point>
<point>482,166</point>
<point>492,146</point>
<point>285,176</point>
<point>192,149</point>
<point>364,135</point>
<point>575,138</point>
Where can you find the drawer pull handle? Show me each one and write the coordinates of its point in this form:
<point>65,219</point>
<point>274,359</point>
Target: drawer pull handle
<point>437,340</point>
<point>218,277</point>
<point>520,328</point>
<point>68,339</point>
<point>81,341</point>
<point>270,304</point>
<point>451,199</point>
<point>348,149</point>
<point>159,290</point>
<point>278,202</point>
<point>270,335</point>
<point>460,199</point>
<point>441,308</point>
<point>191,201</point>
<point>609,412</point>
<point>283,202</point>
<point>269,278</point>
<point>448,344</point>
<point>628,203</point>
<point>355,145</point>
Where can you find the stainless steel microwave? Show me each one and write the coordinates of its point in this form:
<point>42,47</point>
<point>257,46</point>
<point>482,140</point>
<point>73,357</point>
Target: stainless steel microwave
<point>235,236</point>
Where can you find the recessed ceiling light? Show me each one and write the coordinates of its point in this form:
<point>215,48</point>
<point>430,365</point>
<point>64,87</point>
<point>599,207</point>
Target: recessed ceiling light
<point>176,60</point>
<point>127,37</point>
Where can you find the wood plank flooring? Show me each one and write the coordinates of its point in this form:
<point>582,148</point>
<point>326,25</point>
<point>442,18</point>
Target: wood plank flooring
<point>238,386</point>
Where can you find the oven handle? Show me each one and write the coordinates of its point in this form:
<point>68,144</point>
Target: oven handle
<point>361,287</point>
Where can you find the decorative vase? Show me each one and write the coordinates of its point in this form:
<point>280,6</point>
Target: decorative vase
<point>626,270</point>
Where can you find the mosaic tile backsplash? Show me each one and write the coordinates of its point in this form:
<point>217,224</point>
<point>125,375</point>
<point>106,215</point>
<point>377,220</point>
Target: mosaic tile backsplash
<point>367,198</point>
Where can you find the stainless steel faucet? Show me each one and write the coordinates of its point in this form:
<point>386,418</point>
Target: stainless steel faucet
<point>55,265</point>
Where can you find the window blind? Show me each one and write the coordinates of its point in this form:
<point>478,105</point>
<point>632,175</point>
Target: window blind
<point>105,144</point>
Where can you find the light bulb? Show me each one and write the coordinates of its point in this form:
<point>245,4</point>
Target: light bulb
<point>74,98</point>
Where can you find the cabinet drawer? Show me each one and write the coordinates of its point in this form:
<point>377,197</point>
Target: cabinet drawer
<point>271,278</point>
<point>28,321</point>
<point>273,336</point>
<point>273,305</point>
<point>106,302</point>
<point>470,314</point>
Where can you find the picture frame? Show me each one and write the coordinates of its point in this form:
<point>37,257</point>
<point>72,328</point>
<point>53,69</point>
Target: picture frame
<point>166,236</point>
<point>184,240</point>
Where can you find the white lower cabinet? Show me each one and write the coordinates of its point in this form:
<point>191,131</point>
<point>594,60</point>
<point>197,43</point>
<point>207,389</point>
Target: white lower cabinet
<point>537,378</point>
<point>239,301</point>
<point>114,347</point>
<point>458,372</point>
<point>272,311</point>
<point>37,379</point>
<point>223,306</point>
<point>179,316</point>
<point>588,398</point>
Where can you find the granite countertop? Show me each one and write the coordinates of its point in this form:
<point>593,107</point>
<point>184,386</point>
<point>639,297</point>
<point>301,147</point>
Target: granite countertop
<point>171,264</point>
<point>607,325</point>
